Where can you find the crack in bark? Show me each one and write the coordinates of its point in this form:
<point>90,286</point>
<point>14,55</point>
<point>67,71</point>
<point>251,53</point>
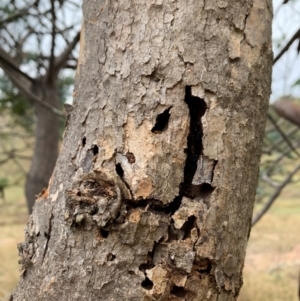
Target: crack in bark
<point>196,166</point>
<point>120,173</point>
<point>197,108</point>
<point>155,205</point>
<point>178,291</point>
<point>147,283</point>
<point>162,121</point>
<point>188,226</point>
<point>48,236</point>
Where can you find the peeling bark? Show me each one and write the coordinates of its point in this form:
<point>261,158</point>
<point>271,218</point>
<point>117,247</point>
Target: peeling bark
<point>153,192</point>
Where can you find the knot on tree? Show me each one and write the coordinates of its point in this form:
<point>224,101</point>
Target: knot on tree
<point>91,200</point>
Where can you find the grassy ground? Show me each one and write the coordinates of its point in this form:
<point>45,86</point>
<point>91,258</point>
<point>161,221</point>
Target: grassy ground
<point>272,262</point>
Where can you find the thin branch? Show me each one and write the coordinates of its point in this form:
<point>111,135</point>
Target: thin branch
<point>7,62</point>
<point>17,180</point>
<point>14,134</point>
<point>74,3</point>
<point>23,81</point>
<point>69,66</point>
<point>280,158</point>
<point>279,141</point>
<point>19,165</point>
<point>274,196</point>
<point>66,29</point>
<point>61,61</point>
<point>269,181</point>
<point>23,157</point>
<point>52,58</point>
<point>273,146</point>
<point>21,42</point>
<point>12,155</point>
<point>287,46</point>
<point>287,140</point>
<point>14,17</point>
<point>4,160</point>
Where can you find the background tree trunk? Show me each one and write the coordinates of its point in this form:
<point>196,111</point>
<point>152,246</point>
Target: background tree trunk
<point>153,191</point>
<point>43,60</point>
<point>46,145</point>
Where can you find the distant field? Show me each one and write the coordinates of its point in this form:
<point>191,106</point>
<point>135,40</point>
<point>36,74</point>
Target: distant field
<point>13,217</point>
<point>272,262</point>
<point>13,211</point>
<point>273,255</point>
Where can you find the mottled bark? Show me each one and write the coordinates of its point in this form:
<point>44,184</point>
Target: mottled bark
<point>46,145</point>
<point>153,192</point>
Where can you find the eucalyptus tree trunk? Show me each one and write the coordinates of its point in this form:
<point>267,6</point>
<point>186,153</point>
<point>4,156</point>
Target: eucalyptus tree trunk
<point>153,191</point>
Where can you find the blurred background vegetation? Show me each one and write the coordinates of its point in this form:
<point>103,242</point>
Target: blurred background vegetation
<point>38,56</point>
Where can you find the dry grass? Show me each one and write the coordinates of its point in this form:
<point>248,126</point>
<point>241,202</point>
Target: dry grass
<point>13,211</point>
<point>264,286</point>
<point>9,237</point>
<point>273,255</point>
<point>13,216</point>
<point>272,262</point>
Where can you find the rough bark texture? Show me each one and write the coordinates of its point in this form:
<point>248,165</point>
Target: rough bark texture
<point>46,145</point>
<point>152,195</point>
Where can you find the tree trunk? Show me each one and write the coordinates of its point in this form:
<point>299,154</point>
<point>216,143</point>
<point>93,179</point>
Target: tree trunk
<point>153,191</point>
<point>46,146</point>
